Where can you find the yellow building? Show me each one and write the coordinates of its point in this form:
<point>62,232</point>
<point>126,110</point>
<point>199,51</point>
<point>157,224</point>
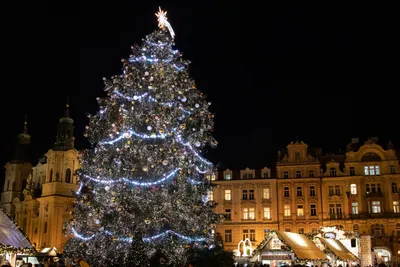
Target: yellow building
<point>40,198</point>
<point>356,191</point>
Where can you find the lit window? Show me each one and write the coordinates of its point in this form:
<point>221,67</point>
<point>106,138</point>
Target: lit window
<point>252,235</point>
<point>266,193</point>
<point>353,189</point>
<point>228,235</point>
<point>376,207</point>
<point>267,213</point>
<point>286,209</point>
<point>213,177</point>
<point>245,213</point>
<point>252,213</point>
<point>210,195</point>
<point>354,208</point>
<point>300,210</point>
<point>228,195</point>
<point>396,207</point>
<point>372,170</point>
<point>227,176</point>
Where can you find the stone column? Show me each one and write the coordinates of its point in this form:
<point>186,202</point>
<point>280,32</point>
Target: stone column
<point>365,250</point>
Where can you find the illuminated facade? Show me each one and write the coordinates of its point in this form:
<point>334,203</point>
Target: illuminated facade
<point>356,191</point>
<point>39,198</point>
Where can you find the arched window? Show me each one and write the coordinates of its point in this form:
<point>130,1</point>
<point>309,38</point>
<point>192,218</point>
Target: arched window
<point>377,230</point>
<point>68,176</point>
<point>58,179</point>
<point>51,175</point>
<point>332,172</point>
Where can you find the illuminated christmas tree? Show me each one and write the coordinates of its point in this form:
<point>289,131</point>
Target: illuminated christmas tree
<point>142,187</point>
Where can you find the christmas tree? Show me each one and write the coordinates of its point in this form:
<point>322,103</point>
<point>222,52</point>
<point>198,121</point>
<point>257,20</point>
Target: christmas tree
<point>142,191</point>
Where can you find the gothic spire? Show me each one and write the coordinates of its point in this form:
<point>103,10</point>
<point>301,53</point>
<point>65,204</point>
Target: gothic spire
<point>22,153</point>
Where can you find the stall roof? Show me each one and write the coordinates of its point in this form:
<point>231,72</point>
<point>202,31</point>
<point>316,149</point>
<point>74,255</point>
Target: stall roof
<point>338,249</point>
<point>302,247</point>
<point>10,234</point>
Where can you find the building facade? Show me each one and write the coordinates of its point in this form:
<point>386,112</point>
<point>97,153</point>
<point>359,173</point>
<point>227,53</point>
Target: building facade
<point>39,198</point>
<point>355,191</point>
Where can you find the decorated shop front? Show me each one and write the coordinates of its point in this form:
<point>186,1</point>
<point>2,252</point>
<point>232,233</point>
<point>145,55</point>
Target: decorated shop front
<point>336,252</point>
<point>13,241</point>
<point>285,248</point>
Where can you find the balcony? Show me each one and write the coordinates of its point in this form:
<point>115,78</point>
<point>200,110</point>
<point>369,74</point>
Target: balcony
<point>373,194</point>
<point>248,201</point>
<point>336,216</point>
<point>374,215</point>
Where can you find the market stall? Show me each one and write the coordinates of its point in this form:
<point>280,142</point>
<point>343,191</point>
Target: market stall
<point>280,248</point>
<point>13,241</point>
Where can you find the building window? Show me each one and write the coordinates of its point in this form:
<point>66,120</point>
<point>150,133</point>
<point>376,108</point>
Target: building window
<point>337,190</point>
<point>266,174</point>
<point>288,230</point>
<point>373,188</point>
<point>227,176</point>
<point>68,176</point>
<point>276,244</point>
<point>313,210</point>
<point>266,233</point>
<point>245,234</point>
<point>392,169</point>
<point>312,191</point>
<point>286,210</point>
<point>210,196</point>
<point>353,189</point>
<point>228,235</point>
<point>285,174</point>
<point>211,177</point>
<point>376,207</point>
<point>300,210</point>
<point>301,231</point>
<point>299,191</point>
<point>354,208</point>
<point>396,207</point>
<point>332,172</point>
<point>377,230</point>
<point>51,175</point>
<point>286,192</point>
<point>244,194</point>
<point>339,209</point>
<point>266,193</point>
<point>331,209</point>
<point>311,173</point>
<point>355,227</point>
<point>394,187</point>
<point>298,174</point>
<point>251,194</point>
<point>45,228</point>
<point>245,213</point>
<point>372,170</point>
<point>297,156</point>
<point>331,190</point>
<point>267,213</point>
<point>228,214</point>
<point>252,213</point>
<point>252,235</point>
<point>228,194</point>
<point>352,171</point>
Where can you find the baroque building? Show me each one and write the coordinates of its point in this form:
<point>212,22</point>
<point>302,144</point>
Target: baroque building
<point>357,190</point>
<point>39,198</point>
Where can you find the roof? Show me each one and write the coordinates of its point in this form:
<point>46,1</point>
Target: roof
<point>302,247</point>
<point>338,249</point>
<point>11,235</point>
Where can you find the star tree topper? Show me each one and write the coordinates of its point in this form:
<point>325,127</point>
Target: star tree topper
<point>163,22</point>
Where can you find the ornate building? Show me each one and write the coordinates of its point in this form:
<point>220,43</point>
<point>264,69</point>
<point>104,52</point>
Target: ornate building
<point>357,191</point>
<point>40,198</point>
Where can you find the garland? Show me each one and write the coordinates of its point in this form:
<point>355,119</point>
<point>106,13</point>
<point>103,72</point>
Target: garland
<point>7,249</point>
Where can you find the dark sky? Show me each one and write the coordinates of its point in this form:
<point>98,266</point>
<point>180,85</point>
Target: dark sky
<point>273,73</point>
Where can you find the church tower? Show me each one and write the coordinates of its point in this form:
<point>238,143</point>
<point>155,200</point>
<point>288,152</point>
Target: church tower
<point>17,171</point>
<point>59,183</point>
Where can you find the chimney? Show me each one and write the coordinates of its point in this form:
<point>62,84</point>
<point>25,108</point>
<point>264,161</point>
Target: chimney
<point>355,140</point>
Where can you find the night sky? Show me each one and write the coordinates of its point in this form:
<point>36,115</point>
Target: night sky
<point>273,73</point>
